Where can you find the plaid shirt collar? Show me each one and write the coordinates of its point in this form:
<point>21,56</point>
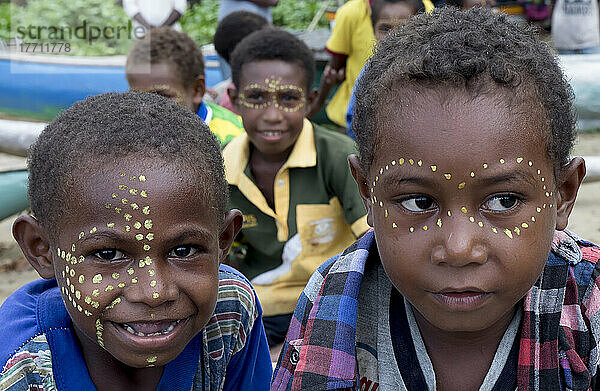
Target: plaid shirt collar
<point>559,332</point>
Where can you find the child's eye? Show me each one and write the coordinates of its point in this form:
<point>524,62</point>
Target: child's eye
<point>256,96</point>
<point>183,251</point>
<point>109,254</point>
<point>385,28</point>
<point>501,203</point>
<point>418,204</point>
<point>289,98</point>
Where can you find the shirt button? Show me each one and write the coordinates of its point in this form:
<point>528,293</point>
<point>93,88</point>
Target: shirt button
<point>294,357</point>
<point>280,182</point>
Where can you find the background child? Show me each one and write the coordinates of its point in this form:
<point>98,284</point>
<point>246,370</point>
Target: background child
<point>350,45</point>
<point>128,234</point>
<point>468,280</point>
<point>170,63</point>
<point>259,7</point>
<point>153,13</point>
<point>290,178</point>
<point>230,31</point>
<point>386,15</point>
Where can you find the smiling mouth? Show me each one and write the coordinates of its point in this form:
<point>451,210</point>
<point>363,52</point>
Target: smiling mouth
<point>272,134</point>
<point>149,329</point>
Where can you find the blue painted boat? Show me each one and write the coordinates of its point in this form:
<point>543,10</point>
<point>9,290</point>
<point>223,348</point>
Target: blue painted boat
<point>13,197</point>
<point>39,87</point>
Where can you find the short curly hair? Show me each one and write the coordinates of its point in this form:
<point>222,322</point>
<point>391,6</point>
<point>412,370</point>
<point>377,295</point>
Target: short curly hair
<point>235,27</point>
<point>272,44</point>
<point>163,44</point>
<point>108,126</point>
<point>471,50</point>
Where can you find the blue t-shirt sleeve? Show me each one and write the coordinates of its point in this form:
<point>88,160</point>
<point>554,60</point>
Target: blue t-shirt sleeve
<point>250,368</point>
<point>350,110</point>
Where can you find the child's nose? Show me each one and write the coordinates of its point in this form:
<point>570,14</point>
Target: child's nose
<point>154,286</point>
<point>272,113</point>
<point>461,243</point>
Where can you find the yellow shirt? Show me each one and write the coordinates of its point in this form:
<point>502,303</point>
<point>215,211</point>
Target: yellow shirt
<point>353,36</point>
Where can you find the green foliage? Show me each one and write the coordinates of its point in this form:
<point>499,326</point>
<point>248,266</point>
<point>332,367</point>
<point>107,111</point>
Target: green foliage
<point>4,21</point>
<point>58,20</point>
<point>297,15</point>
<point>200,21</point>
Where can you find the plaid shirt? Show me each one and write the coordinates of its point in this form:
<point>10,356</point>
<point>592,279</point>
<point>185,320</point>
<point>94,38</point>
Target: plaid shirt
<point>559,338</point>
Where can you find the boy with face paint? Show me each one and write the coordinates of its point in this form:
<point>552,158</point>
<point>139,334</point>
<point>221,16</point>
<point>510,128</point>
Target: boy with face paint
<point>468,279</point>
<point>170,63</point>
<point>289,177</point>
<point>129,235</point>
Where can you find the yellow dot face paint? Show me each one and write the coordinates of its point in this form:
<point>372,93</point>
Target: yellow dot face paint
<point>461,183</point>
<point>289,98</point>
<point>83,298</point>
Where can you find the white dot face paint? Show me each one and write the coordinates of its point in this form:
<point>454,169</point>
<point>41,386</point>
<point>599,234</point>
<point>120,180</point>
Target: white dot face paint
<point>132,250</point>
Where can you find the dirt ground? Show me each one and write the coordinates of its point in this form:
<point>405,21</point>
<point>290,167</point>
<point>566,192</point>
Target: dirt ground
<point>14,270</point>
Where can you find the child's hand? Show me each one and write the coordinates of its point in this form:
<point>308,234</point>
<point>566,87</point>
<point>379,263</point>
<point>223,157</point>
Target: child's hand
<point>212,93</point>
<point>332,76</point>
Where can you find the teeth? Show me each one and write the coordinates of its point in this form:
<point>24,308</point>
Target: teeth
<point>140,334</point>
<point>272,134</point>
<point>128,328</point>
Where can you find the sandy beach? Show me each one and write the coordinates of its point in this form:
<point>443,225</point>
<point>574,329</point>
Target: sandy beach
<point>15,271</point>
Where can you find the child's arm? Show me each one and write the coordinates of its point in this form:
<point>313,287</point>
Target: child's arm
<point>131,8</point>
<point>178,9</point>
<point>333,74</point>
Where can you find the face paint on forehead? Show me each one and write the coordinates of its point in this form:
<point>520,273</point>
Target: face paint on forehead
<point>130,202</point>
<point>463,180</point>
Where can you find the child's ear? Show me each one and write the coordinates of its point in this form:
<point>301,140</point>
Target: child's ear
<point>233,97</point>
<point>231,227</point>
<point>312,96</point>
<point>198,89</point>
<point>363,187</point>
<point>35,244</point>
<point>569,180</point>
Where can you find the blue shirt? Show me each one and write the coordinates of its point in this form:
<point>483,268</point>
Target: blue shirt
<point>350,110</point>
<point>38,347</point>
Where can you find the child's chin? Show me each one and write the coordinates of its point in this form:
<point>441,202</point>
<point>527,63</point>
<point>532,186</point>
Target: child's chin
<point>141,361</point>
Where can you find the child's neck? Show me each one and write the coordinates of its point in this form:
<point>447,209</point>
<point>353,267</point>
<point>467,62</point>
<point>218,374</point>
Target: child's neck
<point>468,353</point>
<point>264,168</point>
<point>108,374</point>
